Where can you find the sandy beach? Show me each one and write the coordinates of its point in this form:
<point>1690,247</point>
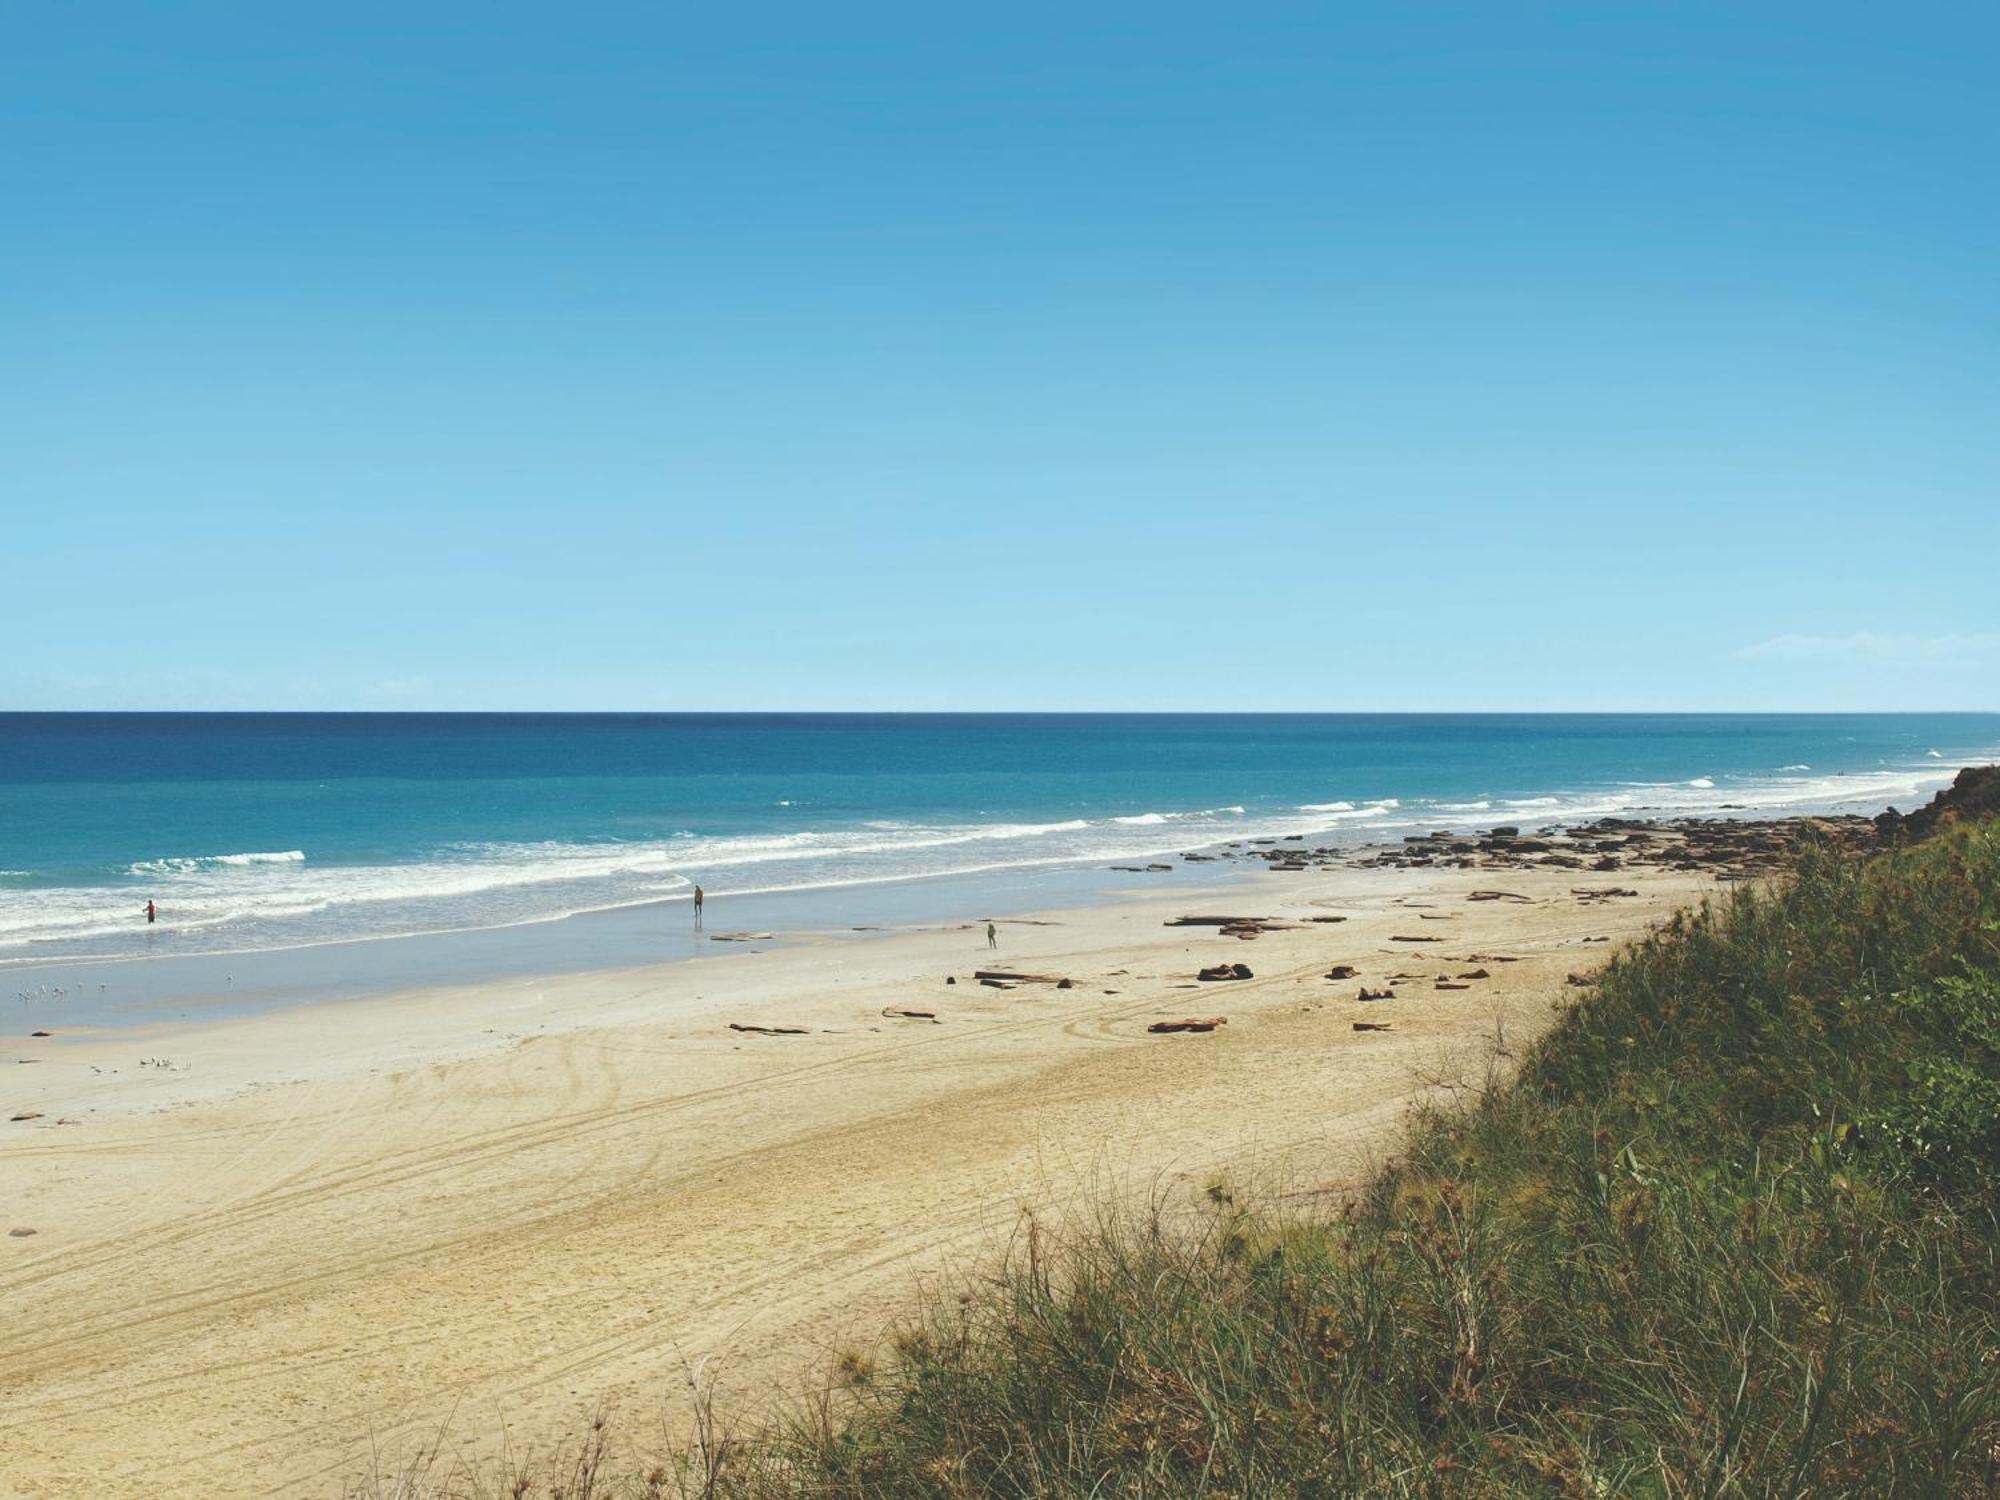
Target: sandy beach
<point>685,682</point>
<point>271,1250</point>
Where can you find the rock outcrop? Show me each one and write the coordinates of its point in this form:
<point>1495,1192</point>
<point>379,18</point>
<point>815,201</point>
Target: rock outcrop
<point>1973,793</point>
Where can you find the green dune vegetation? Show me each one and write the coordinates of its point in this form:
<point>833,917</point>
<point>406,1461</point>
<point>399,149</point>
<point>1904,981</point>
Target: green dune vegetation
<point>1729,1229</point>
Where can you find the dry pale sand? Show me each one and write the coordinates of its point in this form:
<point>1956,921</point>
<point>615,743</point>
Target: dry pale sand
<point>315,1236</point>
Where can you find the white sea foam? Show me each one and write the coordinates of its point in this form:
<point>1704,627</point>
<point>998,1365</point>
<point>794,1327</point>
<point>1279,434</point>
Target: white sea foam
<point>1851,791</point>
<point>269,898</point>
<point>194,894</point>
<point>1154,819</point>
<point>1325,817</point>
<point>1801,766</point>
<point>486,882</point>
<point>182,866</point>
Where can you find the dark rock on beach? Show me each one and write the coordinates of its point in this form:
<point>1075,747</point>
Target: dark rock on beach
<point>1226,971</point>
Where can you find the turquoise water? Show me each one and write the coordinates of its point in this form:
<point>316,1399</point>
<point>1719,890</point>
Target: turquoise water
<point>271,831</point>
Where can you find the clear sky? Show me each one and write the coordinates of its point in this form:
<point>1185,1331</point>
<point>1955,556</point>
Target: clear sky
<point>1340,356</point>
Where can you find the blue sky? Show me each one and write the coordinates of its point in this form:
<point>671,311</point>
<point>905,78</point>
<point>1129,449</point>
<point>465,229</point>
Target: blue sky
<point>1025,356</point>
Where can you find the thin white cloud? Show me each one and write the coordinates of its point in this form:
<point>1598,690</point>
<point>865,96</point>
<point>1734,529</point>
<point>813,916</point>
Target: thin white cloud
<point>1870,647</point>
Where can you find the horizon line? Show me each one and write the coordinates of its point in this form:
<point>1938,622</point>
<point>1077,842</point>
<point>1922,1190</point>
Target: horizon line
<point>970,713</point>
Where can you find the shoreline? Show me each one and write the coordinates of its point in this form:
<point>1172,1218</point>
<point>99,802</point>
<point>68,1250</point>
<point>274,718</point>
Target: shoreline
<point>511,1200</point>
<point>220,986</point>
<point>245,1040</point>
<point>638,933</point>
<point>590,913</point>
<point>435,1023</point>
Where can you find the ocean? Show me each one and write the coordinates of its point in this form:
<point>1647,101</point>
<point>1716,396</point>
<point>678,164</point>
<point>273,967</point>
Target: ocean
<point>271,831</point>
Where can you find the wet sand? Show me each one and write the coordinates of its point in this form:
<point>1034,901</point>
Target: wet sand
<point>273,1246</point>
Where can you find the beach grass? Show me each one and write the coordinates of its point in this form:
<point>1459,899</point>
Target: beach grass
<point>1729,1230</point>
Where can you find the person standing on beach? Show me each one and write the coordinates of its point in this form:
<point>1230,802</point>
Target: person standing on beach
<point>697,905</point>
<point>152,913</point>
<point>992,936</point>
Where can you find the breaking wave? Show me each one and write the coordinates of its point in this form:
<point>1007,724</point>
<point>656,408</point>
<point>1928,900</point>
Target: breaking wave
<point>215,861</point>
<point>274,898</point>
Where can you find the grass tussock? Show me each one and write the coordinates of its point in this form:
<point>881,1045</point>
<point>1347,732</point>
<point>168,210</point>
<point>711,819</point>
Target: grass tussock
<point>1730,1231</point>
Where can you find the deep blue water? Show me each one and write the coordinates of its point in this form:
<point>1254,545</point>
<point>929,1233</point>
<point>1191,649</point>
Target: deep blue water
<point>270,830</point>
